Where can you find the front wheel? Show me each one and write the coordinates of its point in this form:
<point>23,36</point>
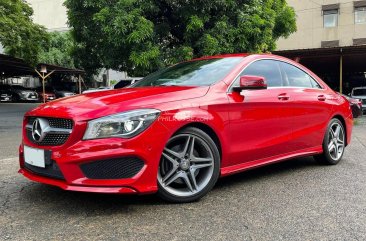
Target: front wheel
<point>334,144</point>
<point>189,166</point>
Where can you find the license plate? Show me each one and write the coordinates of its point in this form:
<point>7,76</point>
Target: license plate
<point>34,157</point>
<point>33,97</point>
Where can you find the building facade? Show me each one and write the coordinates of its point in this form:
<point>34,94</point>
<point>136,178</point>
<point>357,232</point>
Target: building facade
<point>330,40</point>
<point>50,13</point>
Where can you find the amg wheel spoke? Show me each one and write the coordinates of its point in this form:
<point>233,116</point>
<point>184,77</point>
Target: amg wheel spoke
<point>173,153</point>
<point>201,159</point>
<point>193,178</point>
<point>171,172</point>
<point>173,161</point>
<point>331,146</point>
<point>191,148</point>
<point>336,150</point>
<point>186,146</point>
<point>187,181</point>
<point>202,165</point>
<point>331,132</point>
<point>337,131</point>
<point>173,178</point>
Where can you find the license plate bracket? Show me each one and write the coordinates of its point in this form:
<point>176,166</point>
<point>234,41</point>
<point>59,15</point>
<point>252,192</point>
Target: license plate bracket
<point>37,157</point>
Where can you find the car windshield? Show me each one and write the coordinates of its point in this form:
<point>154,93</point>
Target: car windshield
<point>359,92</point>
<point>192,73</point>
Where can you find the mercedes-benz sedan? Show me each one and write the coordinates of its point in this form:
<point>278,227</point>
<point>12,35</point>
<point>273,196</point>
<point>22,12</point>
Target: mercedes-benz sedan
<point>178,130</point>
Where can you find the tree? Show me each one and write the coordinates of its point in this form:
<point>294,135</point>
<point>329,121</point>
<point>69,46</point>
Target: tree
<point>59,50</point>
<point>18,34</point>
<point>140,36</point>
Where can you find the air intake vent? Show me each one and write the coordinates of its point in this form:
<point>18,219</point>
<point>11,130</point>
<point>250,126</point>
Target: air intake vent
<point>120,168</point>
<point>52,170</point>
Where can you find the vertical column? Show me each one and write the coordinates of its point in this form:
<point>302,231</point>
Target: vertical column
<point>341,74</point>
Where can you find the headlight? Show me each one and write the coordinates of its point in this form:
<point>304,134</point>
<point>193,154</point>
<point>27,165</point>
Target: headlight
<point>125,125</point>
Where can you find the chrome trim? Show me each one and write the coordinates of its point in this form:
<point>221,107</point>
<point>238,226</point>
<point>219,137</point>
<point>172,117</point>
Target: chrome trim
<point>52,130</point>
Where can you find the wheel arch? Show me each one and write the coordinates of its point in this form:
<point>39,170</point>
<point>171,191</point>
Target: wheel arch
<point>207,129</point>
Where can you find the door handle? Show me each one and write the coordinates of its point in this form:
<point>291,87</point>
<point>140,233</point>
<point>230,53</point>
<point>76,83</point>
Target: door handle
<point>322,98</point>
<point>283,97</point>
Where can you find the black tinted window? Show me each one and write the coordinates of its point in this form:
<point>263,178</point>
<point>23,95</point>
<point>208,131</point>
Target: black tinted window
<point>298,78</point>
<point>268,69</point>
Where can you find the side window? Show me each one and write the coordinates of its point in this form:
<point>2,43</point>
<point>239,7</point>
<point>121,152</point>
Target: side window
<point>268,69</point>
<point>296,77</point>
<point>315,84</point>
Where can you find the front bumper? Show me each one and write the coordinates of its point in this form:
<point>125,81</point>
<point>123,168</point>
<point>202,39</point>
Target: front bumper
<point>69,157</point>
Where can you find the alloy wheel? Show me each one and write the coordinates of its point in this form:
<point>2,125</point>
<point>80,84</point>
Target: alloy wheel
<point>336,141</point>
<point>186,166</point>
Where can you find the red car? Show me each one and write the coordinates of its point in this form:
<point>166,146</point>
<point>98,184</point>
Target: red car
<point>49,94</point>
<point>178,130</point>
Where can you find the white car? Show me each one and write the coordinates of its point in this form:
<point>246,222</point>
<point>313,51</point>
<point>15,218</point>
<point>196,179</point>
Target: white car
<point>360,93</point>
<point>119,85</point>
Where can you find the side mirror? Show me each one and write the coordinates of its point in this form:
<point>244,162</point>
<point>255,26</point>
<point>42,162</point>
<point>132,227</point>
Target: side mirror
<point>251,82</point>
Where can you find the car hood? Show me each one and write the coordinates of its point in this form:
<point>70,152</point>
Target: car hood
<point>98,104</point>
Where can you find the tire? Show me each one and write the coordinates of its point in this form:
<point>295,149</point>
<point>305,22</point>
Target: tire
<point>334,144</point>
<point>189,166</point>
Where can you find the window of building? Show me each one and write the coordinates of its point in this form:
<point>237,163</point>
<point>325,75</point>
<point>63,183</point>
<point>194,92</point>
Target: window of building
<point>330,18</point>
<point>360,15</point>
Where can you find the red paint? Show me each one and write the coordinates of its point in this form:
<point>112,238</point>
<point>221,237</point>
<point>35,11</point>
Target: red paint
<point>254,127</point>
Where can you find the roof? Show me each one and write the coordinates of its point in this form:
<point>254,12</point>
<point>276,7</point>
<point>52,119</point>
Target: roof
<point>222,56</point>
<point>12,67</point>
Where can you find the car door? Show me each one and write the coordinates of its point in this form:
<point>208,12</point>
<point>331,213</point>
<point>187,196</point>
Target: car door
<point>260,120</point>
<point>311,108</point>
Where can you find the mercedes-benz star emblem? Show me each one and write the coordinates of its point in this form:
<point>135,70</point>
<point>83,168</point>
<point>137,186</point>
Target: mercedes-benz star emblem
<point>38,129</point>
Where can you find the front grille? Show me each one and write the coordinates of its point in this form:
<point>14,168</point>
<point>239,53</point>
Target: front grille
<point>52,170</point>
<point>53,138</point>
<point>119,168</point>
<point>55,122</point>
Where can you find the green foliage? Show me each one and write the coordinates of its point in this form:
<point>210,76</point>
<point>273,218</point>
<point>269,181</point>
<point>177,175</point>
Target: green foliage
<point>139,36</point>
<point>59,50</point>
<point>18,34</point>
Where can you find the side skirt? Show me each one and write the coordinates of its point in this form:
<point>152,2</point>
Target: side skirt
<point>266,161</point>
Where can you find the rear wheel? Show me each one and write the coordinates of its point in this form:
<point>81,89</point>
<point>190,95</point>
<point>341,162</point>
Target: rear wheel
<point>334,144</point>
<point>189,166</point>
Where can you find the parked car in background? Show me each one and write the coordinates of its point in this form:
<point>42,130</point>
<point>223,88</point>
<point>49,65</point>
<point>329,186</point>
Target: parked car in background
<point>124,83</point>
<point>91,90</point>
<point>21,93</point>
<point>360,93</point>
<point>49,94</point>
<point>356,106</point>
<point>121,84</point>
<point>5,94</point>
<point>62,92</point>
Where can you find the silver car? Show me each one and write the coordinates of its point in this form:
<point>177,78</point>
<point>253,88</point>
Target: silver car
<point>360,93</point>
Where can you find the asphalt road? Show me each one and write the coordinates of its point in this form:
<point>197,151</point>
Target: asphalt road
<point>293,200</point>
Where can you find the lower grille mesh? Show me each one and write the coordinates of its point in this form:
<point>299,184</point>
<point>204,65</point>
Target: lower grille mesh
<point>120,168</point>
<point>51,139</point>
<point>52,170</point>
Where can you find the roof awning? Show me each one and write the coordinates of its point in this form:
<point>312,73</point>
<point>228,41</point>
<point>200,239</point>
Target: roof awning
<point>15,67</point>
